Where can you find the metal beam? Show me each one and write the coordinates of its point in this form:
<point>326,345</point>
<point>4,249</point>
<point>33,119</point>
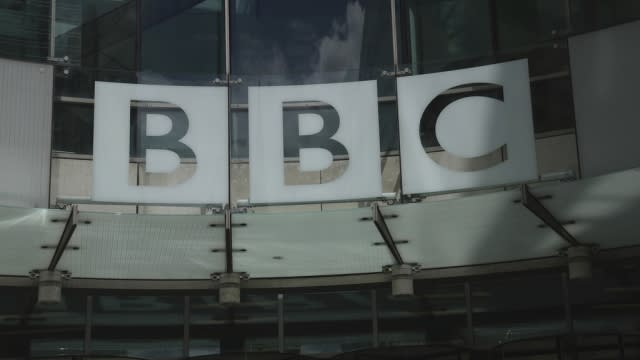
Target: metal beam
<point>381,225</point>
<point>535,206</point>
<point>67,233</point>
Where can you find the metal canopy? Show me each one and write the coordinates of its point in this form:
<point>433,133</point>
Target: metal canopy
<point>469,229</point>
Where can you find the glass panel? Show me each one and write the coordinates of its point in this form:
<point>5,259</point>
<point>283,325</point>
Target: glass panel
<point>471,229</point>
<point>146,246</point>
<point>277,245</point>
<point>304,39</point>
<point>631,346</point>
<point>182,36</point>
<point>110,38</point>
<point>597,205</point>
<point>24,29</point>
<point>522,23</point>
<point>327,323</point>
<point>532,349</point>
<point>607,303</point>
<point>29,237</point>
<point>62,326</point>
<point>97,33</point>
<point>599,347</point>
<point>31,329</point>
<point>139,326</point>
<point>444,34</point>
<point>588,15</point>
<point>517,307</point>
<point>431,352</point>
<point>435,315</point>
<point>251,326</point>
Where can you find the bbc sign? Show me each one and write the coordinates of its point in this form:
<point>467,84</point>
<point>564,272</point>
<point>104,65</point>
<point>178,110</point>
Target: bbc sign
<point>470,127</point>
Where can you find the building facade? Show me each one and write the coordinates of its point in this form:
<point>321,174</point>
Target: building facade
<point>546,268</point>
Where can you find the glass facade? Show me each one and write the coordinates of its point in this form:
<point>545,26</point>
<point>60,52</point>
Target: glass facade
<point>302,42</point>
<point>505,316</point>
<point>522,313</point>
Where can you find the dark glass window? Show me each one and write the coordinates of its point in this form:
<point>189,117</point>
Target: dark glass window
<point>250,327</point>
<point>182,37</point>
<point>97,34</point>
<point>327,323</point>
<point>134,41</point>
<point>435,315</point>
<point>589,15</point>
<point>528,22</point>
<point>24,29</point>
<point>445,34</point>
<point>453,34</point>
<point>31,329</point>
<point>517,307</point>
<point>138,326</point>
<point>306,41</point>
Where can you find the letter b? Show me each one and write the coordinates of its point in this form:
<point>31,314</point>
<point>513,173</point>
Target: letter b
<point>315,142</point>
<point>201,134</point>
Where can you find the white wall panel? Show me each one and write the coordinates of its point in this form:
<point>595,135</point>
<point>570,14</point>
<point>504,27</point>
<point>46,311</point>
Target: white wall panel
<point>605,70</point>
<point>25,133</point>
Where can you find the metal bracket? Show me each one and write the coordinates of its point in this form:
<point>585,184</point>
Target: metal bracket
<point>65,237</point>
<point>58,60</point>
<point>381,225</point>
<point>218,81</point>
<point>535,206</point>
<point>594,248</point>
<point>415,267</point>
<point>243,276</point>
<point>35,274</point>
<point>405,71</point>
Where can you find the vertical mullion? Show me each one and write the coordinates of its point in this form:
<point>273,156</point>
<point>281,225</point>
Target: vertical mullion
<point>281,323</point>
<point>396,67</point>
<point>394,34</point>
<point>186,324</point>
<point>138,38</point>
<point>52,30</point>
<point>228,227</point>
<point>87,324</point>
<point>566,299</point>
<point>227,38</point>
<point>495,35</point>
<point>374,319</point>
<point>469,309</point>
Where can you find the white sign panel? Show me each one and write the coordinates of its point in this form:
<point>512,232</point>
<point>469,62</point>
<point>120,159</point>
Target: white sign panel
<point>355,133</point>
<point>202,135</point>
<point>605,78</point>
<point>470,128</point>
<point>25,133</point>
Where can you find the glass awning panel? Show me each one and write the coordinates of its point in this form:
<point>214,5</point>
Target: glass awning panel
<point>466,230</point>
<point>24,233</point>
<point>307,244</point>
<point>605,209</point>
<point>469,230</point>
<point>129,246</point>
